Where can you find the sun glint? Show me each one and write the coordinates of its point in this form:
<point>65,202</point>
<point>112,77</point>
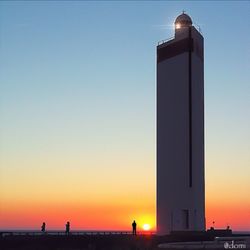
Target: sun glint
<point>178,26</point>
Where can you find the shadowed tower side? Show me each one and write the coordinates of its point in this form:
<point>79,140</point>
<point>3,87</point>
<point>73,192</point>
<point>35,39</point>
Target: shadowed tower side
<point>180,130</point>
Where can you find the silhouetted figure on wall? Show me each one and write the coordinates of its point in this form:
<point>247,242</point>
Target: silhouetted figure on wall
<point>43,227</point>
<point>67,227</point>
<point>134,227</point>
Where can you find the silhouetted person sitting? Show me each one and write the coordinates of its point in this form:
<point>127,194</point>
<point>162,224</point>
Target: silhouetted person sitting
<point>134,227</point>
<point>67,227</point>
<point>43,227</point>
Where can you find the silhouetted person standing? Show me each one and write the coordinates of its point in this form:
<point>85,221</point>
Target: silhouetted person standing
<point>43,227</point>
<point>67,227</point>
<point>134,227</point>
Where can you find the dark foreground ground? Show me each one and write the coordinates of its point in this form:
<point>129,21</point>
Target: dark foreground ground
<point>98,242</point>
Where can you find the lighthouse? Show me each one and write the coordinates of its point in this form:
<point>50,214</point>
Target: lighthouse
<point>180,130</point>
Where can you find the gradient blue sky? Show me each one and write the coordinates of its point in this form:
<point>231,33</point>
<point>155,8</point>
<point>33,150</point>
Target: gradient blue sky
<point>77,88</point>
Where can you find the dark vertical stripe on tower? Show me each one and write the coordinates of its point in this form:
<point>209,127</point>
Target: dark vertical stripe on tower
<point>190,108</point>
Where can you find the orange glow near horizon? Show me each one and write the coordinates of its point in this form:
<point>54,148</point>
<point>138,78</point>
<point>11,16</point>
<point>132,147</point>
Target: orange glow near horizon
<point>108,217</point>
<point>82,217</point>
<point>109,209</point>
<point>231,215</point>
<point>94,200</point>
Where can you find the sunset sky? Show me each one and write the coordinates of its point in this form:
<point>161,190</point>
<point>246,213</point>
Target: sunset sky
<point>77,112</point>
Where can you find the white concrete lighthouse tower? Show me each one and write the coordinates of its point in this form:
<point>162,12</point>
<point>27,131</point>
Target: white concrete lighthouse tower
<point>180,130</point>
